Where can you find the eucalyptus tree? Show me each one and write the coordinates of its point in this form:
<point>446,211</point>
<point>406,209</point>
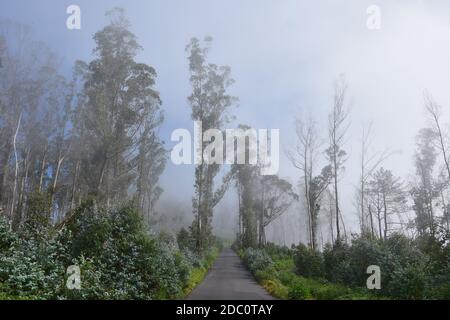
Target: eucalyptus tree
<point>425,188</point>
<point>210,104</point>
<point>276,196</point>
<point>27,76</point>
<point>337,128</point>
<point>120,112</point>
<point>387,198</point>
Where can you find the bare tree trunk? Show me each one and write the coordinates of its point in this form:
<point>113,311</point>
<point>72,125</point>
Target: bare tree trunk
<point>74,183</point>
<point>41,174</point>
<point>371,221</point>
<point>343,226</point>
<point>5,171</point>
<point>434,110</point>
<point>22,194</point>
<point>336,201</point>
<point>380,230</point>
<point>16,170</point>
<point>55,180</point>
<point>385,217</point>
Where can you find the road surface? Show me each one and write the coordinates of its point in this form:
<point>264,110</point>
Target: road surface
<point>229,279</point>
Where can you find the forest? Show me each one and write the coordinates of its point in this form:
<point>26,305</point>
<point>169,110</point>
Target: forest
<point>81,158</point>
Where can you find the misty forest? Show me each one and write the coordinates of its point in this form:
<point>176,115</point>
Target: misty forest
<point>81,158</point>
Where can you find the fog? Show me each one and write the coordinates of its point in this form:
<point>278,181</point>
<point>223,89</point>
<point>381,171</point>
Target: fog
<point>284,57</point>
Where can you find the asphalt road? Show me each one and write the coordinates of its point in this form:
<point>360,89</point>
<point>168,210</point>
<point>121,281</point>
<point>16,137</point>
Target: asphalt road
<point>229,279</point>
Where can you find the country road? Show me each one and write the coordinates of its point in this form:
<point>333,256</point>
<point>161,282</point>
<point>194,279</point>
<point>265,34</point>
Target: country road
<point>229,279</point>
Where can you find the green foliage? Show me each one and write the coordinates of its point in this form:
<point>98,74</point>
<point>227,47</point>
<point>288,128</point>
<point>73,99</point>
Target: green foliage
<point>117,258</point>
<point>185,240</point>
<point>197,273</point>
<point>276,288</point>
<point>408,282</point>
<point>410,269</point>
<point>298,290</point>
<point>257,260</point>
<point>7,238</point>
<point>308,262</point>
<point>336,260</point>
<point>281,279</point>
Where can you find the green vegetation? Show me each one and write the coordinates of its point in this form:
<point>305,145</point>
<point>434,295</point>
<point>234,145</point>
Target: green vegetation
<point>411,269</point>
<point>197,274</point>
<point>117,256</point>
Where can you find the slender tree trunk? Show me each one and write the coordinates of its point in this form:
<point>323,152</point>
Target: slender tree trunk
<point>441,143</point>
<point>371,221</point>
<point>74,183</point>
<point>385,217</point>
<point>16,170</point>
<point>5,170</point>
<point>331,224</point>
<point>55,181</point>
<point>336,199</point>
<point>380,232</point>
<point>41,175</point>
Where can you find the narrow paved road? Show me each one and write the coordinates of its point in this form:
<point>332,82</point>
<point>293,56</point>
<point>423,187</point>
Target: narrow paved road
<point>229,279</point>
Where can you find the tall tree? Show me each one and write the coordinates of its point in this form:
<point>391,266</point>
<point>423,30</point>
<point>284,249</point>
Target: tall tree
<point>434,111</point>
<point>370,161</point>
<point>304,156</point>
<point>210,104</point>
<point>425,189</point>
<point>27,77</point>
<point>276,197</point>
<point>337,128</point>
<point>388,198</point>
<point>120,113</point>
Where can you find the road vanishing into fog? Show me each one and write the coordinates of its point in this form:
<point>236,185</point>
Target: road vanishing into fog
<point>229,279</point>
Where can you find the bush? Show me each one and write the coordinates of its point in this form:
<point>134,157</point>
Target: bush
<point>408,282</point>
<point>257,260</point>
<point>185,240</point>
<point>7,238</point>
<point>337,262</point>
<point>117,257</point>
<point>298,290</point>
<point>276,288</point>
<point>329,291</point>
<point>309,263</point>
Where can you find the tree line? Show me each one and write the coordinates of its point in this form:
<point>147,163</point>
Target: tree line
<point>95,137</point>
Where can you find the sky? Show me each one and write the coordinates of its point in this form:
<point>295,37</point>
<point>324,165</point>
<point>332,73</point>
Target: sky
<point>284,56</point>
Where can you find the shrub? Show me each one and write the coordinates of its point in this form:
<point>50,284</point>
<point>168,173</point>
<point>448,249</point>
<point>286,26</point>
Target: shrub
<point>118,259</point>
<point>309,263</point>
<point>257,259</point>
<point>185,240</point>
<point>286,277</point>
<point>276,288</point>
<point>265,274</point>
<point>7,238</point>
<point>408,282</point>
<point>337,262</point>
<point>298,290</point>
<point>329,291</point>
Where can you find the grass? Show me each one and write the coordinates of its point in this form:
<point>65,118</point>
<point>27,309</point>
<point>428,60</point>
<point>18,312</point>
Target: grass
<point>197,275</point>
<point>282,282</point>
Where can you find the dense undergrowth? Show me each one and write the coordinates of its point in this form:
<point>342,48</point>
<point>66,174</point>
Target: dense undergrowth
<point>410,269</point>
<point>117,256</point>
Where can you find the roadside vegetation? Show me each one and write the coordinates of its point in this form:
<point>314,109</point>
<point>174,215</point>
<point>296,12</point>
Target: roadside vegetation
<point>80,161</point>
<point>117,256</point>
<point>410,269</point>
